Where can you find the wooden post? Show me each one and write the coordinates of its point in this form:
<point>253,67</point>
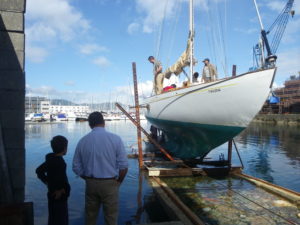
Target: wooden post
<point>5,178</point>
<point>137,115</point>
<point>233,70</point>
<point>230,141</point>
<point>229,153</point>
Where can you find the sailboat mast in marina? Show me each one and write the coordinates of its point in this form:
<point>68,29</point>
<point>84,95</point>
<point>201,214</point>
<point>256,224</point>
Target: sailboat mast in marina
<point>200,117</point>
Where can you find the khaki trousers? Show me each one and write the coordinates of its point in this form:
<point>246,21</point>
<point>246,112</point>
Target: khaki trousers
<point>159,79</point>
<point>101,192</point>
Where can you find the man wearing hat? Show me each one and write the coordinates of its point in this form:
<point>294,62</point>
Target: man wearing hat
<point>158,75</point>
<point>209,72</point>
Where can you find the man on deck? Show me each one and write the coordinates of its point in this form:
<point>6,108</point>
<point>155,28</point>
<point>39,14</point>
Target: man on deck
<point>209,72</point>
<point>158,75</point>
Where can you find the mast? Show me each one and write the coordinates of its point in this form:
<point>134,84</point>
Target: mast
<point>258,15</point>
<point>192,40</point>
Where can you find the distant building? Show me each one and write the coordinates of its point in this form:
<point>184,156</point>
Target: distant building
<point>43,105</point>
<point>54,109</point>
<point>36,105</point>
<point>289,98</point>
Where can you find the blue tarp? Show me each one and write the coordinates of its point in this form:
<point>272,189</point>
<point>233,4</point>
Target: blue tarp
<point>61,116</point>
<point>274,99</point>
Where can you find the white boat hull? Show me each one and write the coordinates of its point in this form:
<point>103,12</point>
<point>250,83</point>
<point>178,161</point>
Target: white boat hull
<point>227,103</point>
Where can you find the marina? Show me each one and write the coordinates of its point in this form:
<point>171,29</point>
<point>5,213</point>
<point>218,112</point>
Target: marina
<point>269,152</point>
<point>197,135</point>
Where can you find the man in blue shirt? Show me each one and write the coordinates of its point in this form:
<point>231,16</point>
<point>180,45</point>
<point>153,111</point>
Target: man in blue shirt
<point>100,159</point>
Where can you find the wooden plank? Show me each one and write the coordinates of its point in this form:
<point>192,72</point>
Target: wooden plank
<point>290,195</point>
<point>170,208</point>
<point>5,184</point>
<point>183,212</point>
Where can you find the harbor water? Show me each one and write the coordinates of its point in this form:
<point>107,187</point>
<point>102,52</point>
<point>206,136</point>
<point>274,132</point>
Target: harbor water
<point>268,152</point>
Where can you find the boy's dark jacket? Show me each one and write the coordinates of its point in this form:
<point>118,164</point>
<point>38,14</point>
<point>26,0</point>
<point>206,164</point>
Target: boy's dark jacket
<point>53,173</point>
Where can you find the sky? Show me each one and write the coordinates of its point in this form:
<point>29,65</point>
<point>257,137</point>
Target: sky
<point>82,50</point>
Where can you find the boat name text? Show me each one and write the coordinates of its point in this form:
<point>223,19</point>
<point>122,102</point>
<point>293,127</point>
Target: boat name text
<point>214,90</point>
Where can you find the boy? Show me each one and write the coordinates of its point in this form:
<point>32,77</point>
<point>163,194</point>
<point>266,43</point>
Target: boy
<point>53,173</point>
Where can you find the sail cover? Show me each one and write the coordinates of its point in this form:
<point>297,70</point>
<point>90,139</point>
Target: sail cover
<point>182,61</point>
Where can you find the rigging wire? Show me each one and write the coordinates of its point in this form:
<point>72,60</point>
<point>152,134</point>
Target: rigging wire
<point>213,32</point>
<point>218,43</point>
<point>221,40</point>
<point>160,34</point>
<point>173,31</point>
<point>209,38</point>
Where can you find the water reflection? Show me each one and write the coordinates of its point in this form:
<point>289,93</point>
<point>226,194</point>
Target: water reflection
<point>135,193</point>
<point>269,152</point>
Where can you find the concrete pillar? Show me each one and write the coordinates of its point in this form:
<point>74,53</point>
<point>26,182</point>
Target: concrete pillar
<point>12,94</point>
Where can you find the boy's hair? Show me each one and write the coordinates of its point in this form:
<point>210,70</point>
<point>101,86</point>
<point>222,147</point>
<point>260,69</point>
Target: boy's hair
<point>95,118</point>
<point>59,144</point>
<point>150,57</point>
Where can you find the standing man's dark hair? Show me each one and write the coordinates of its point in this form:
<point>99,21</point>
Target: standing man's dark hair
<point>96,119</point>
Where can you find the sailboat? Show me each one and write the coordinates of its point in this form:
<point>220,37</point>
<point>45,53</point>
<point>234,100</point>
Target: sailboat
<point>200,117</point>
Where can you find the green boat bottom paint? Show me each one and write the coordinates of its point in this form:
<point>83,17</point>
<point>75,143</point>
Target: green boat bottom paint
<point>191,140</point>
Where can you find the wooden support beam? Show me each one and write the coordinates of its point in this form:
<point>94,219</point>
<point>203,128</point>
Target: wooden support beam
<point>288,194</point>
<point>137,115</point>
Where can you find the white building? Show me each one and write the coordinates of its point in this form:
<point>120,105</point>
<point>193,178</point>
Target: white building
<point>54,109</point>
<point>44,106</point>
<point>36,105</point>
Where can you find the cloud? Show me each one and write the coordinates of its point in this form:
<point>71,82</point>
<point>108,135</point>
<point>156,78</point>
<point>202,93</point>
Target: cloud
<point>57,16</point>
<point>101,61</point>
<point>51,21</point>
<point>288,62</point>
<point>123,94</point>
<point>276,5</point>
<point>89,49</point>
<point>154,11</point>
<point>70,83</point>
<point>36,54</point>
<point>292,33</point>
<point>52,93</point>
<point>133,27</point>
<point>247,31</point>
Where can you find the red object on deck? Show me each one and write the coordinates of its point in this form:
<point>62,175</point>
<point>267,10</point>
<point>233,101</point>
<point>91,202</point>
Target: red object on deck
<point>168,88</point>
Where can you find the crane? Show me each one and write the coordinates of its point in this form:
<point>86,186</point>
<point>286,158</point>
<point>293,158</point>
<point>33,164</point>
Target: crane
<point>276,30</point>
